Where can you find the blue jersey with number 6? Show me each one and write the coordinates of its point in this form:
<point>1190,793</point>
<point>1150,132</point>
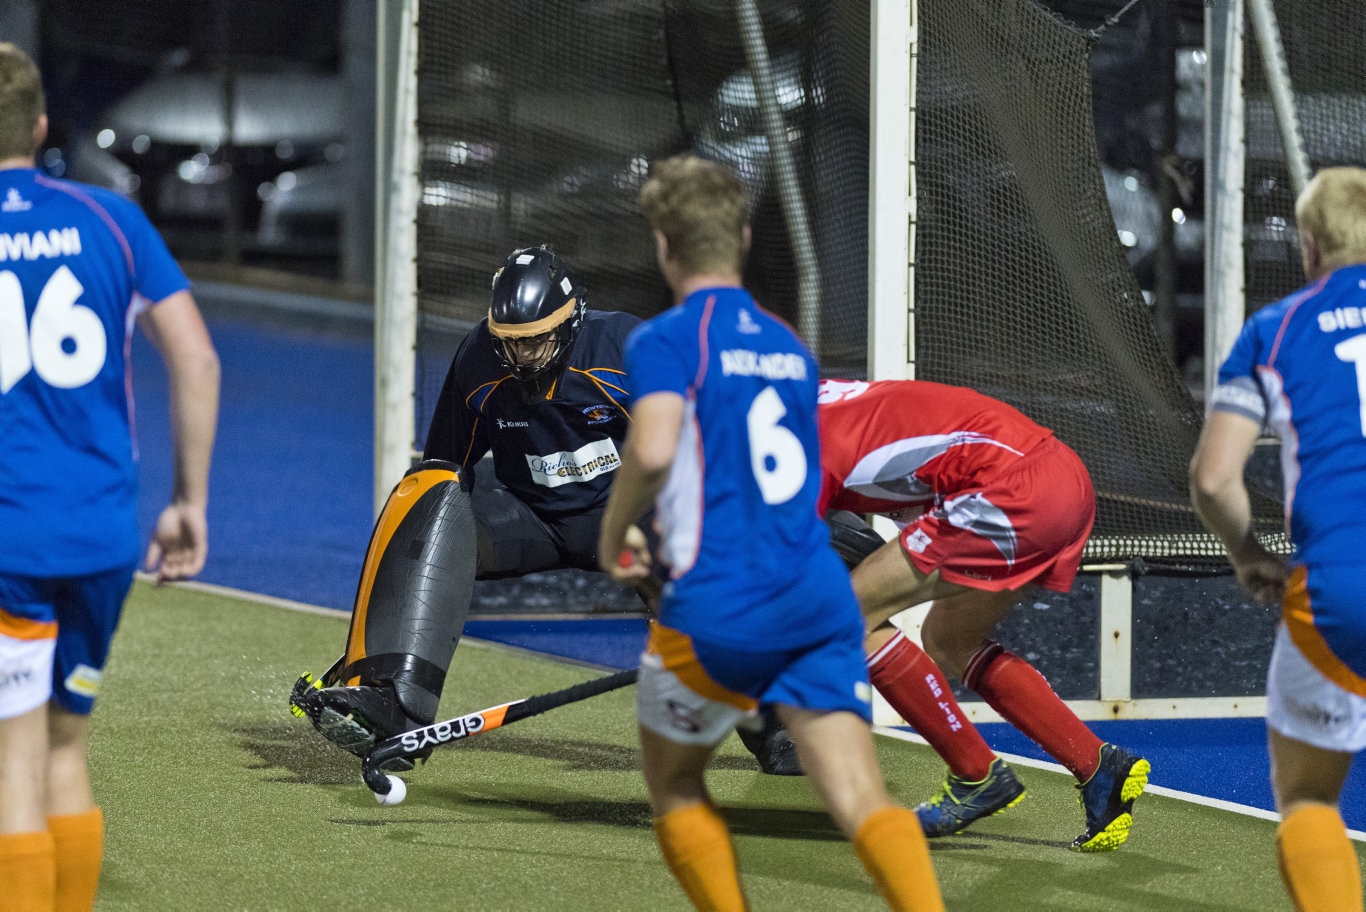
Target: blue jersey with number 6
<point>750,559</point>
<point>77,263</point>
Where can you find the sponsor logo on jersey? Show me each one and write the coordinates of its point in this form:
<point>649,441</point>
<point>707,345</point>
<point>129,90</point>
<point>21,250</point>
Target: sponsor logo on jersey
<point>45,244</point>
<point>84,680</point>
<point>599,414</point>
<point>746,324</point>
<point>771,366</point>
<point>584,464</point>
<point>917,541</point>
<point>14,202</point>
<point>503,424</point>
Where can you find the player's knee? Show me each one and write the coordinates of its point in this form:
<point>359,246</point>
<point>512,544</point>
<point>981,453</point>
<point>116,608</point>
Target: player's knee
<point>937,638</point>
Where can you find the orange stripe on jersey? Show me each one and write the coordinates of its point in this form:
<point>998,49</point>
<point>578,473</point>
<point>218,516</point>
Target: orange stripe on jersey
<point>1298,615</point>
<point>679,657</point>
<point>18,628</point>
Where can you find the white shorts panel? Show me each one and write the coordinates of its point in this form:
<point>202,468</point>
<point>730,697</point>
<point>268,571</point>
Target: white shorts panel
<point>1304,705</point>
<point>672,710</point>
<point>25,674</point>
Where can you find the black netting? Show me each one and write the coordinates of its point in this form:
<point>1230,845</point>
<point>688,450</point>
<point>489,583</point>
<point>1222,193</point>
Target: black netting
<point>538,122</point>
<point>1322,42</point>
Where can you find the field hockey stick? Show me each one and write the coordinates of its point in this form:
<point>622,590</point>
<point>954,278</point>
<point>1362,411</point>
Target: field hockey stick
<point>411,743</point>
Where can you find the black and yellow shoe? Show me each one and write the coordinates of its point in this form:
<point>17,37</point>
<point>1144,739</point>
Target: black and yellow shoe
<point>961,803</point>
<point>1108,797</point>
<point>353,718</point>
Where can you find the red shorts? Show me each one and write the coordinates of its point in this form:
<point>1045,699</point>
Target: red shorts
<point>1027,526</point>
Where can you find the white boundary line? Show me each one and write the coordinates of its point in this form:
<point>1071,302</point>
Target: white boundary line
<point>303,607</point>
<point>887,731</point>
<point>1217,803</point>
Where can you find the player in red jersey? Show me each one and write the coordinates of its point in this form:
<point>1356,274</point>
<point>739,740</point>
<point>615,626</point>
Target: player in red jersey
<point>988,503</point>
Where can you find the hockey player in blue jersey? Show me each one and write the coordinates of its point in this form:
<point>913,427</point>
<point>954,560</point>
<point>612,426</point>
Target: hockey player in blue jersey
<point>758,607</point>
<point>1299,367</point>
<point>79,266</point>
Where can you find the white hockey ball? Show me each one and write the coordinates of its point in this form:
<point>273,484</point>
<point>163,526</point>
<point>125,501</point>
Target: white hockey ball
<point>398,790</point>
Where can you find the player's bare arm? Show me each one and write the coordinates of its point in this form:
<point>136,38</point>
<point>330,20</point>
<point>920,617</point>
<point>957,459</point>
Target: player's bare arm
<point>1221,499</point>
<point>656,427</point>
<point>179,545</point>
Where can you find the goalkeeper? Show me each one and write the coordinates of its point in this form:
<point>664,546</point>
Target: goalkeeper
<point>538,385</point>
<point>988,502</point>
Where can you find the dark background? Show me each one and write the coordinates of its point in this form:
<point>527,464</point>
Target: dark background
<point>98,57</point>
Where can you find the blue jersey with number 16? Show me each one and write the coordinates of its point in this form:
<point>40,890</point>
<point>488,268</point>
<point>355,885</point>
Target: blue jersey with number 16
<point>749,557</point>
<point>76,265</point>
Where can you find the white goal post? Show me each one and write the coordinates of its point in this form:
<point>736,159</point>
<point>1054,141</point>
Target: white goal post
<point>894,42</point>
<point>398,190</point>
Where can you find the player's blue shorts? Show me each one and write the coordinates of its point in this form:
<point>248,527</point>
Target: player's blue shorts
<point>1325,614</point>
<point>694,692</point>
<point>54,638</point>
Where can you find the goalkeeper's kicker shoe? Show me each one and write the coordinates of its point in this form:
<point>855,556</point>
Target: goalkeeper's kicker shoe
<point>771,745</point>
<point>1108,797</point>
<point>961,803</point>
<point>353,718</point>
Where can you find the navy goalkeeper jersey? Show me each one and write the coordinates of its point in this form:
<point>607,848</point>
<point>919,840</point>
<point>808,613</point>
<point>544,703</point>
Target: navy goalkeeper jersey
<point>555,441</point>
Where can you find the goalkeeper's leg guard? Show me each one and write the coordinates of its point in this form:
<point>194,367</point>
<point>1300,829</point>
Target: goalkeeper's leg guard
<point>411,606</point>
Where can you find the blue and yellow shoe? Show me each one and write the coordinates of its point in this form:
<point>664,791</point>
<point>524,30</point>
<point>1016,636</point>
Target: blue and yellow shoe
<point>961,803</point>
<point>1108,797</point>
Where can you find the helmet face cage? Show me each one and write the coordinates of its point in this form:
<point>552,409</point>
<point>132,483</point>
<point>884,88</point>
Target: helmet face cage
<point>534,294</point>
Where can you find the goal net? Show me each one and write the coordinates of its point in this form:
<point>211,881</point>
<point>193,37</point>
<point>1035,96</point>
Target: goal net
<point>537,122</point>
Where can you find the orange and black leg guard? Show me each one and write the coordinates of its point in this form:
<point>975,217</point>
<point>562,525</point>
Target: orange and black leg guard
<point>415,590</point>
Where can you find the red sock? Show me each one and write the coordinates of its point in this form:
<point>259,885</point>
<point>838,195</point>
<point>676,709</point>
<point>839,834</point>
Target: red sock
<point>1017,691</point>
<point>916,688</point>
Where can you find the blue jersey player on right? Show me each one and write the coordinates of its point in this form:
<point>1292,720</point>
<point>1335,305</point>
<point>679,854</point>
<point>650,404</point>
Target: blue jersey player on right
<point>1299,366</point>
<point>758,608</point>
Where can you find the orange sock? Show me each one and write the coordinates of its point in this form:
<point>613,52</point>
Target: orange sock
<point>892,847</point>
<point>697,848</point>
<point>27,872</point>
<point>1318,864</point>
<point>80,849</point>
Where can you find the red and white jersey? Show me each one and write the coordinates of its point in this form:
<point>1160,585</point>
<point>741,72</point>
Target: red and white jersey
<point>895,446</point>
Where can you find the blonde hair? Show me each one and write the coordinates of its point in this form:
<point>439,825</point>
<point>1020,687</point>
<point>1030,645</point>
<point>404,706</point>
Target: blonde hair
<point>1332,209</point>
<point>701,208</point>
<point>21,101</point>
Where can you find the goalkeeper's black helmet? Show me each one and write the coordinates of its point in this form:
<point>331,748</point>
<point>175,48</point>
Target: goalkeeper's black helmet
<point>535,298</point>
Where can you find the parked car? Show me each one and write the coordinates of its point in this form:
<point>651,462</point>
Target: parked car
<point>273,168</point>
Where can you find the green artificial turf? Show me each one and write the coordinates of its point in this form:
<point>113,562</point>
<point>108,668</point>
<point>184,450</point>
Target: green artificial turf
<point>216,798</point>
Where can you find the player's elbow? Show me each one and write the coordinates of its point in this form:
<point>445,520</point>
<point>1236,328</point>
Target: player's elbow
<point>1207,483</point>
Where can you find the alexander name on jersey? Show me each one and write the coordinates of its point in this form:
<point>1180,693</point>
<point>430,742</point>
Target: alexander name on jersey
<point>769,365</point>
